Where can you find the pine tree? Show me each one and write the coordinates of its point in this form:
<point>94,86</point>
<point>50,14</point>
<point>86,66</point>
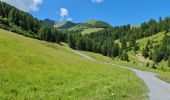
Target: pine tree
<point>41,32</point>
<point>88,44</point>
<point>145,51</point>
<point>124,56</point>
<point>104,49</point>
<point>71,42</point>
<point>115,51</point>
<point>80,43</point>
<point>124,43</point>
<point>136,47</point>
<point>132,41</point>
<point>150,55</point>
<point>11,15</point>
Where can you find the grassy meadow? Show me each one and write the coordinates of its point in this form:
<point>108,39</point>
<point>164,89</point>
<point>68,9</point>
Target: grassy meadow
<point>32,70</point>
<point>90,30</point>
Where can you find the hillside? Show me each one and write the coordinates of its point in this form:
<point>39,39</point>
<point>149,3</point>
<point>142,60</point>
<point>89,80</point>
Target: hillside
<point>20,22</point>
<point>137,58</point>
<point>33,69</point>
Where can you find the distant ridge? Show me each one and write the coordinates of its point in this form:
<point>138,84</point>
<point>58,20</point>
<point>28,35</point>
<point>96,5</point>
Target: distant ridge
<point>84,25</point>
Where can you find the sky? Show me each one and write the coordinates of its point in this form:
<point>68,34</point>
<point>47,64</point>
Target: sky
<point>115,12</point>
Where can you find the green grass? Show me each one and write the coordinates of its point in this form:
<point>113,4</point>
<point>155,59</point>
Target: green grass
<point>90,30</point>
<point>157,38</point>
<point>34,70</point>
<point>162,70</point>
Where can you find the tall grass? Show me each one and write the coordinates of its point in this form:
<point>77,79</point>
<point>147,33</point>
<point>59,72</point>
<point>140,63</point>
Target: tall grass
<point>32,69</point>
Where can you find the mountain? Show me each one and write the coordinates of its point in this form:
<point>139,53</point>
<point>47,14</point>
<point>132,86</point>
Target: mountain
<point>85,27</point>
<point>98,24</point>
<point>49,22</point>
<point>65,25</point>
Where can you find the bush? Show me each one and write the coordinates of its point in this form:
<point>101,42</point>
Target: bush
<point>154,66</point>
<point>145,53</point>
<point>136,47</point>
<point>4,21</point>
<point>124,56</point>
<point>169,61</point>
<point>150,55</point>
<point>147,65</point>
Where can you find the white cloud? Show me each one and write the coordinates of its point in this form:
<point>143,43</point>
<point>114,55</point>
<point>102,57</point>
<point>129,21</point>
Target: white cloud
<point>63,13</point>
<point>97,1</point>
<point>69,19</point>
<point>25,5</point>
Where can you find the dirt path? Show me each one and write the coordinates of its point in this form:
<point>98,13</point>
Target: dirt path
<point>158,89</point>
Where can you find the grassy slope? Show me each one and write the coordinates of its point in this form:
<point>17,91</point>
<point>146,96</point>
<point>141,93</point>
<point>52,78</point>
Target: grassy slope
<point>33,69</point>
<point>90,30</point>
<point>162,66</point>
<point>157,38</point>
<point>136,59</point>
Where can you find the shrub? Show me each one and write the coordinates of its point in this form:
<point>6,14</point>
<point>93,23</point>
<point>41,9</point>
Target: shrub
<point>169,61</point>
<point>4,21</point>
<point>147,65</point>
<point>154,66</point>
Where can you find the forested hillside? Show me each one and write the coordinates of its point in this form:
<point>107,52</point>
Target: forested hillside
<point>23,23</point>
<point>104,40</point>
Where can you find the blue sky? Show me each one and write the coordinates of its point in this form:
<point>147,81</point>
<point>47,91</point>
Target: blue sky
<point>115,12</point>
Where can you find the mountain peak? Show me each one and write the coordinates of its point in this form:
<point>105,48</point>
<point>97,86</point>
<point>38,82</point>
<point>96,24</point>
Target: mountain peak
<point>65,25</point>
<point>49,21</point>
<point>96,23</point>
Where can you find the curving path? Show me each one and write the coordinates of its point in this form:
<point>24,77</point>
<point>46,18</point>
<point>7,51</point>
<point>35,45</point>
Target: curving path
<point>158,89</point>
